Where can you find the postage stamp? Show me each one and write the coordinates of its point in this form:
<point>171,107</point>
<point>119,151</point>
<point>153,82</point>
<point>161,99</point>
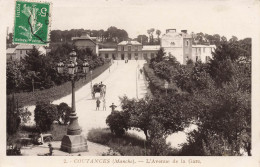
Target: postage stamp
<point>32,22</point>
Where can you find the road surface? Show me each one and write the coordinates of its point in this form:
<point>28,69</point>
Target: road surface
<point>122,79</point>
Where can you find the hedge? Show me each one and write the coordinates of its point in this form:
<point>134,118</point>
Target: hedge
<point>156,83</point>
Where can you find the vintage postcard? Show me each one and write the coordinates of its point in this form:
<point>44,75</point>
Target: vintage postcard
<point>130,83</point>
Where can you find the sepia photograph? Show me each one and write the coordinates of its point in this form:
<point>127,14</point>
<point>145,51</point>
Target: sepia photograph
<point>130,82</point>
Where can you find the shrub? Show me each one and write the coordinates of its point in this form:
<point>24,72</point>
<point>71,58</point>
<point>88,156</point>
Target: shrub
<point>63,113</point>
<point>44,115</point>
<point>117,123</point>
<point>128,145</point>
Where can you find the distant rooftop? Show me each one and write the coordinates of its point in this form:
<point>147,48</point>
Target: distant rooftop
<point>25,47</point>
<point>129,43</point>
<point>84,36</point>
<point>204,46</point>
<point>108,49</point>
<point>10,50</point>
<point>151,47</point>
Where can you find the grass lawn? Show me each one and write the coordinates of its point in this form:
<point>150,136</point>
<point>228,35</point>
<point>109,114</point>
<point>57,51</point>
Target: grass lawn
<point>127,145</point>
<point>56,92</point>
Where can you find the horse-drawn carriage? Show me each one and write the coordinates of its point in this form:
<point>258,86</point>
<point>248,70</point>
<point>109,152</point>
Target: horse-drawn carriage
<point>99,88</point>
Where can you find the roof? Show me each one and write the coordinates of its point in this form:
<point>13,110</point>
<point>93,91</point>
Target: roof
<point>84,37</point>
<point>26,47</point>
<point>108,49</point>
<point>204,46</point>
<point>129,43</point>
<point>151,47</point>
<point>176,35</point>
<point>10,50</point>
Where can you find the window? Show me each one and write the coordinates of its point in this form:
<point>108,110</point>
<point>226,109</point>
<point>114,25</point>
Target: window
<point>136,55</point>
<point>119,48</point>
<point>203,50</point>
<point>145,55</point>
<point>172,43</point>
<point>187,43</point>
<point>122,48</point>
<point>136,48</point>
<point>21,52</point>
<point>129,48</point>
<point>106,55</point>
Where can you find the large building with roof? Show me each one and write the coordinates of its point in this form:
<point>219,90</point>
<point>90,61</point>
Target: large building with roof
<point>179,45</point>
<point>20,51</point>
<point>130,50</point>
<point>85,41</point>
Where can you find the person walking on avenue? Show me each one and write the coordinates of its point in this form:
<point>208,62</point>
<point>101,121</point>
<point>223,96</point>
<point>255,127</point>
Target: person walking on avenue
<point>98,104</point>
<point>113,107</point>
<point>104,104</point>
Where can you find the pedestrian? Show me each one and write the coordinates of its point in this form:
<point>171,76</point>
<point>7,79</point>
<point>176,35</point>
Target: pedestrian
<point>98,104</point>
<point>104,104</point>
<point>113,107</point>
<point>141,71</point>
<point>50,149</point>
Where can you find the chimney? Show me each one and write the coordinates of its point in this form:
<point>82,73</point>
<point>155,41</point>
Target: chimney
<point>184,31</point>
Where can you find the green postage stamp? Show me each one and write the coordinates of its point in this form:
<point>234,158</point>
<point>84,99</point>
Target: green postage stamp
<point>32,22</point>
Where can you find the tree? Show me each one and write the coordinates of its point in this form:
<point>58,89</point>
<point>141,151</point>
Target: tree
<point>117,123</point>
<point>160,55</point>
<point>15,115</point>
<point>150,33</point>
<point>225,112</point>
<point>143,39</point>
<point>233,39</point>
<point>14,78</point>
<point>158,33</point>
<point>44,115</point>
<point>13,119</point>
<point>222,64</point>
<point>63,113</point>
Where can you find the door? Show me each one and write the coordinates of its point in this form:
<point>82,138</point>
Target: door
<point>122,57</point>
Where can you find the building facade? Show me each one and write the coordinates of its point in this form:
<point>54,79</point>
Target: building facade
<point>177,44</point>
<point>85,41</point>
<point>202,53</point>
<point>130,50</point>
<point>180,46</point>
<point>20,51</point>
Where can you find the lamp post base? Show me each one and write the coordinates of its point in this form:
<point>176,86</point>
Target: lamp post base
<point>74,143</point>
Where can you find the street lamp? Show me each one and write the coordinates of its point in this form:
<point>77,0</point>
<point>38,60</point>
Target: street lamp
<point>73,141</point>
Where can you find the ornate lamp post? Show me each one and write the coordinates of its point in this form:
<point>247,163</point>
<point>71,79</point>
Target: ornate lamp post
<point>73,141</point>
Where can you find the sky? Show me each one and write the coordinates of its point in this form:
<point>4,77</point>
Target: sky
<point>224,17</point>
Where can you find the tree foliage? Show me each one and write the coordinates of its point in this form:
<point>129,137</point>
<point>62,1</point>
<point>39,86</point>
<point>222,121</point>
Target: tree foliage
<point>63,113</point>
<point>44,115</point>
<point>112,34</point>
<point>117,123</point>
